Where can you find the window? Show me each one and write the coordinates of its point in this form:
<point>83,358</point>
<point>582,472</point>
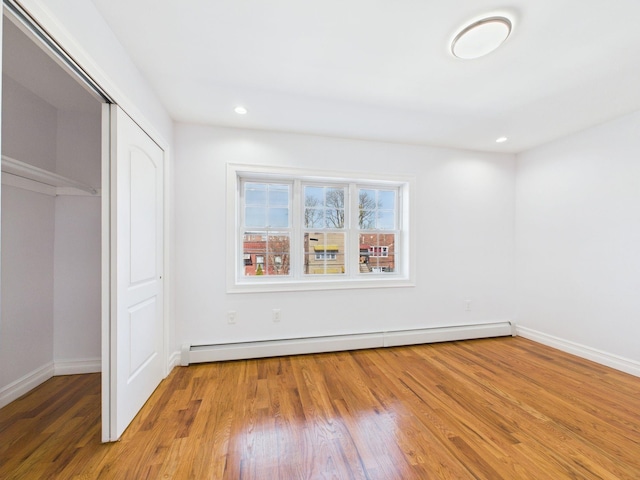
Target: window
<point>323,227</point>
<point>300,230</point>
<point>266,212</point>
<point>378,222</point>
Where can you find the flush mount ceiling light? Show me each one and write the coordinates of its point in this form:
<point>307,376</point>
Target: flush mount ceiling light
<point>501,139</point>
<point>240,110</point>
<point>481,37</point>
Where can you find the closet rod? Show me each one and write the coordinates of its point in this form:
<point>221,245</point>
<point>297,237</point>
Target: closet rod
<point>25,170</point>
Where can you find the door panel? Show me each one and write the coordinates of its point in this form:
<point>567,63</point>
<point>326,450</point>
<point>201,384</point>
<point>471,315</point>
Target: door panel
<point>137,325</point>
<point>144,228</point>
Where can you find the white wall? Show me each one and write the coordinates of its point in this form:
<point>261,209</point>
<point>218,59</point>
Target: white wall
<point>578,242</point>
<point>26,330</point>
<point>465,244</point>
<point>77,289</point>
<point>25,113</point>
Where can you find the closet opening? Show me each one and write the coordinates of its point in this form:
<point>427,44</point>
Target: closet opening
<point>51,212</point>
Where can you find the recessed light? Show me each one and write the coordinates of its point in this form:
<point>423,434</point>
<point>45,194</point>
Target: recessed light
<point>240,110</point>
<point>481,37</point>
<point>501,139</point>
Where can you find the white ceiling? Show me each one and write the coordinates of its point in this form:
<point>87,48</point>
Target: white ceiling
<point>382,70</point>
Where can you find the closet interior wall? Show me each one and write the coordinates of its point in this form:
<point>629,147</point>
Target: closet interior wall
<point>50,300</point>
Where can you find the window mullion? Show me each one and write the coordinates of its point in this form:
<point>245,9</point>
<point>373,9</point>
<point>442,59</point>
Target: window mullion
<point>353,232</point>
<point>297,212</point>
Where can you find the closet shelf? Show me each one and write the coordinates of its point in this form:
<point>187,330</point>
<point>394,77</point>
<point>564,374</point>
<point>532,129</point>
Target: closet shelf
<point>24,170</point>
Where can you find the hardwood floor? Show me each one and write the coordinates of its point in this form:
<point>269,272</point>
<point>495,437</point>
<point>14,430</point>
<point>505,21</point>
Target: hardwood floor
<point>491,409</point>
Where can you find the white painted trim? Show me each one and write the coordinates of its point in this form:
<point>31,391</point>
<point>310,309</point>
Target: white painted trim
<point>174,360</point>
<point>78,366</point>
<point>184,354</point>
<point>105,263</point>
<point>626,365</point>
<point>167,266</point>
<point>25,384</point>
<point>298,346</point>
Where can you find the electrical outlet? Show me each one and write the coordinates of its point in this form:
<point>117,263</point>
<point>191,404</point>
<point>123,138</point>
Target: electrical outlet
<point>231,317</point>
<point>276,315</point>
<point>467,304</point>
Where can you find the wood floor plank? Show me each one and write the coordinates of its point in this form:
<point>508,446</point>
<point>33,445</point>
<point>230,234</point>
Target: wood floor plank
<point>486,409</point>
<point>571,417</point>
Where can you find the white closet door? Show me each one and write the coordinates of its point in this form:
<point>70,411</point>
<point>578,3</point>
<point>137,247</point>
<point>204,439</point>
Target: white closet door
<point>137,325</point>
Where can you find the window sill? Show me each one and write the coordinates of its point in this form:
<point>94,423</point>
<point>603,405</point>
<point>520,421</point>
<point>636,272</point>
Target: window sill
<point>319,285</point>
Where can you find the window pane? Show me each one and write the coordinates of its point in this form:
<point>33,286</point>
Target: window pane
<point>266,205</point>
<point>334,214</point>
<point>387,199</point>
<point>377,209</point>
<point>278,217</point>
<point>324,207</point>
<point>254,247</point>
<point>367,209</point>
<point>314,196</point>
<point>255,193</point>
<point>278,195</point>
<point>334,218</point>
<point>255,217</point>
<point>313,217</point>
<point>324,253</point>
<point>386,220</point>
<point>377,253</point>
<point>278,255</point>
<point>265,254</point>
<point>335,197</point>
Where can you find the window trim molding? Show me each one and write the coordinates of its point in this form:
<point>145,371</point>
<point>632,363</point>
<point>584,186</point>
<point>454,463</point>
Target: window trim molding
<point>407,212</point>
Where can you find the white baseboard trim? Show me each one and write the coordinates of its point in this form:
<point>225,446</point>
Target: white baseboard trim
<point>25,384</point>
<point>297,346</point>
<point>604,358</point>
<point>76,367</point>
<point>31,380</point>
<point>174,361</point>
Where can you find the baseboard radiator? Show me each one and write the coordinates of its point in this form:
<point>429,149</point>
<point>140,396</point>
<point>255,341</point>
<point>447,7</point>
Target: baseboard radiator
<point>297,346</point>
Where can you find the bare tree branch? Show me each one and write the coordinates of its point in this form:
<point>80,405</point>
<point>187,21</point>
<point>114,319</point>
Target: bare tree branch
<point>366,211</point>
<point>334,214</point>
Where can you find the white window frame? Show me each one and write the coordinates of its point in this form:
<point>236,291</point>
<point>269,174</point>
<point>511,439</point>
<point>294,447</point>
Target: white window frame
<point>237,282</point>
